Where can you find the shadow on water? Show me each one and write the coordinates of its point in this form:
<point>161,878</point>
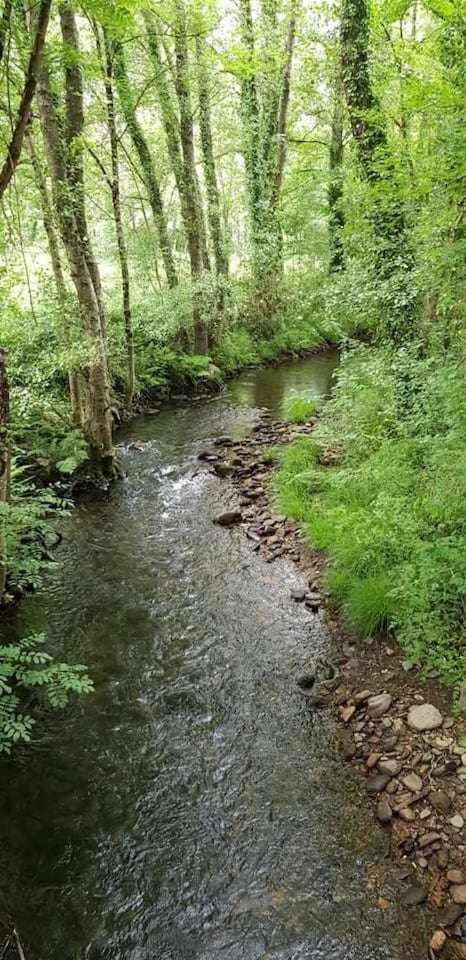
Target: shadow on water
<point>192,807</point>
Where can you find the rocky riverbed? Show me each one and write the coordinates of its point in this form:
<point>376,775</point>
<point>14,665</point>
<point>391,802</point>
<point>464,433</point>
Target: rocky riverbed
<point>398,732</point>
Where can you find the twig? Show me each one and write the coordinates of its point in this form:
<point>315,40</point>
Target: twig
<point>18,944</point>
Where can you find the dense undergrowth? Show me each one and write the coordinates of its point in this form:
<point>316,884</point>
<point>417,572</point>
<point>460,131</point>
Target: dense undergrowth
<point>388,501</point>
<point>46,446</point>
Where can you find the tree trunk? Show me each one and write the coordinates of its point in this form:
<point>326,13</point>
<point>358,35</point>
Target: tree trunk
<point>265,103</point>
<point>98,426</point>
<point>171,127</point>
<point>393,254</point>
<point>48,219</point>
<point>5,25</point>
<point>213,197</point>
<point>193,218</point>
<point>24,111</point>
<point>4,462</point>
<point>336,218</point>
<point>251,126</point>
<point>116,202</point>
<point>145,159</point>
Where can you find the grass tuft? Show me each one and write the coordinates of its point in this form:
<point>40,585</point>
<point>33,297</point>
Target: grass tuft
<point>298,409</point>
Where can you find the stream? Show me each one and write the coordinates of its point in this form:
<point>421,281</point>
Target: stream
<point>193,807</point>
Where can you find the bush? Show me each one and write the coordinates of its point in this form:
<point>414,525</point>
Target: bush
<point>24,667</point>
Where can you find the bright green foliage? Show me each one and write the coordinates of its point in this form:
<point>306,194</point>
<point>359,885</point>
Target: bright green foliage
<point>392,513</point>
<point>28,520</point>
<point>298,409</point>
<point>25,667</point>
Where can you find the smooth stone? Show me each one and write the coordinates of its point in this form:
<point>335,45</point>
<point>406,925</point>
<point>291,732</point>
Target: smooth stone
<point>229,518</point>
<point>372,759</point>
<point>384,811</point>
<point>391,767</point>
<point>407,814</point>
<point>298,594</point>
<point>440,801</point>
<point>457,821</point>
<point>415,895</point>
<point>412,782</point>
<point>347,713</point>
<point>378,705</point>
<point>455,876</point>
<point>362,696</point>
<point>424,717</point>
<point>437,941</point>
<point>427,839</point>
<point>377,783</point>
<point>458,893</point>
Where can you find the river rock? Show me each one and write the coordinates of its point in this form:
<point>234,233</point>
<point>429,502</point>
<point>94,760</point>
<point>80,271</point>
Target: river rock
<point>455,876</point>
<point>450,914</point>
<point>378,705</point>
<point>391,767</point>
<point>457,821</point>
<point>384,811</point>
<point>377,783</point>
<point>223,470</point>
<point>228,518</point>
<point>415,895</point>
<point>412,782</point>
<point>424,717</point>
<point>298,594</point>
<point>372,760</point>
<point>440,801</point>
<point>407,814</point>
<point>427,839</point>
<point>458,892</point>
<point>347,713</point>
<point>437,941</point>
<point>362,696</point>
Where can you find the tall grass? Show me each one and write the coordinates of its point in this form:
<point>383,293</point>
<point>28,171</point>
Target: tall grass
<point>392,513</point>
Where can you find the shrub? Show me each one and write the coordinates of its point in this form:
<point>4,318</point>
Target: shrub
<point>24,667</point>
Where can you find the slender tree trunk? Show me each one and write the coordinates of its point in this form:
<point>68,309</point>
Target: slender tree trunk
<point>210,173</point>
<point>265,104</point>
<point>116,202</point>
<point>393,251</point>
<point>98,426</point>
<point>4,463</point>
<point>5,25</point>
<point>282,117</point>
<point>193,219</point>
<point>251,125</point>
<point>147,165</point>
<point>48,219</point>
<point>336,218</point>
<point>24,112</point>
<point>171,127</point>
<point>74,127</point>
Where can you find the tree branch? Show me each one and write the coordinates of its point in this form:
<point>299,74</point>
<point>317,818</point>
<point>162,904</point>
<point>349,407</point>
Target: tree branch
<point>16,143</point>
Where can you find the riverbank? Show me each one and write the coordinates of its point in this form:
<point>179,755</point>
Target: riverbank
<point>398,732</point>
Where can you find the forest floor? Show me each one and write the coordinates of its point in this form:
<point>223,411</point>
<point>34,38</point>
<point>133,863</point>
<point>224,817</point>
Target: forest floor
<point>394,727</point>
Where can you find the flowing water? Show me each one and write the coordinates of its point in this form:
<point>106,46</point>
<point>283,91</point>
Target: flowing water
<point>193,808</point>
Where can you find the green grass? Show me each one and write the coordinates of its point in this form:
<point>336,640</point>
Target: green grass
<point>392,514</point>
<point>298,409</point>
